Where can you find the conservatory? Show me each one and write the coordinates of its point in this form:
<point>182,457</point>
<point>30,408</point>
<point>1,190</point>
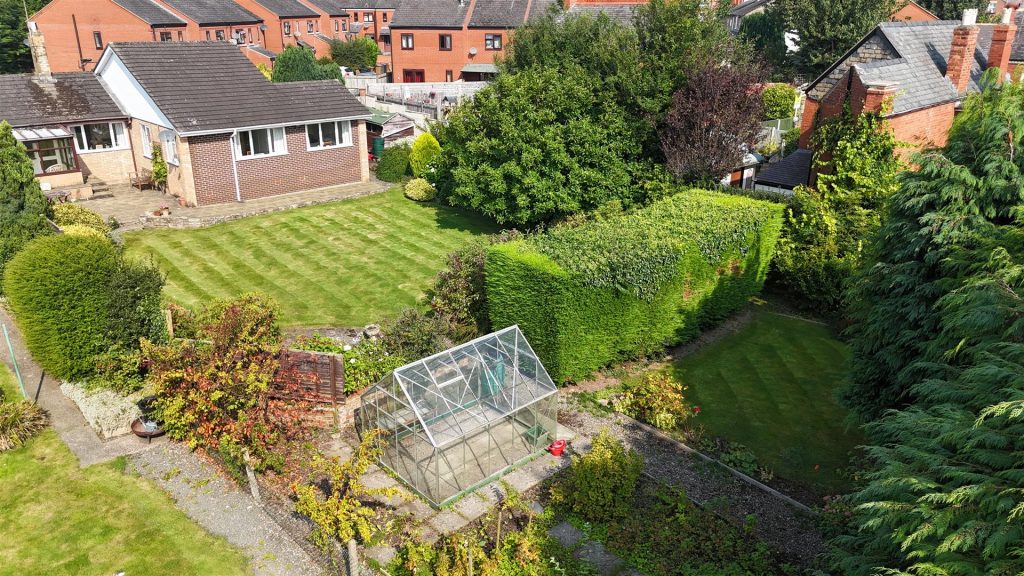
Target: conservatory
<point>458,419</point>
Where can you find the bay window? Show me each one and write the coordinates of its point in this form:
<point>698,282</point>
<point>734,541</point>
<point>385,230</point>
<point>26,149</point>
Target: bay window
<point>328,135</point>
<point>96,137</point>
<point>261,142</point>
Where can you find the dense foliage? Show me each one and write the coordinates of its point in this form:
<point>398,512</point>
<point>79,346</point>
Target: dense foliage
<point>393,165</point>
<point>602,482</point>
<point>937,334</point>
<point>358,53</point>
<point>826,29</point>
<point>368,363</point>
<point>415,334</point>
<point>420,190</point>
<point>425,150</point>
<point>215,393</point>
<point>74,297</point>
<point>713,121</point>
<point>779,101</point>
<point>20,420</point>
<point>765,33</point>
<point>22,204</point>
<point>15,57</point>
<point>159,165</point>
<point>953,9</point>
<point>66,214</point>
<point>297,64</point>
<point>828,225</point>
<point>655,398</point>
<point>628,285</point>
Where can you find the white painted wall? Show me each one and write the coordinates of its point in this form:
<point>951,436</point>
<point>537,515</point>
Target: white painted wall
<point>127,92</point>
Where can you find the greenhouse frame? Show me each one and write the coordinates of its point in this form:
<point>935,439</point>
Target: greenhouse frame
<point>456,420</point>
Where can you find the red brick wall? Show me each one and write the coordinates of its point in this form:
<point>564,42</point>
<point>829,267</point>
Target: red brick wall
<point>426,54</point>
<point>298,170</point>
<point>115,24</point>
<point>923,128</point>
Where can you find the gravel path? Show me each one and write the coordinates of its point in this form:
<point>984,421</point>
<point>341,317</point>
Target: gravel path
<point>789,530</point>
<point>222,509</point>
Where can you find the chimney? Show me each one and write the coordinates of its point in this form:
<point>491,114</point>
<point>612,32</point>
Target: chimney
<point>39,60</point>
<point>877,96</point>
<point>1003,35</point>
<point>961,54</point>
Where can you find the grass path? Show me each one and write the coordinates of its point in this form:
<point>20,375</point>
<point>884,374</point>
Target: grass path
<point>59,519</point>
<point>347,263</point>
<point>771,387</point>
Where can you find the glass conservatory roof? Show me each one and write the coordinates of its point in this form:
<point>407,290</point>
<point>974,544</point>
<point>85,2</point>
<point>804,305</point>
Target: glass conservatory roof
<point>467,387</point>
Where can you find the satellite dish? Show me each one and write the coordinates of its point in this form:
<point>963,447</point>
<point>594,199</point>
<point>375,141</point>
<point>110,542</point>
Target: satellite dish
<point>472,51</point>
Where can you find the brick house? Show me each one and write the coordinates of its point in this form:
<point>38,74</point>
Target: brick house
<point>74,131</point>
<point>226,132</point>
<point>915,73</point>
<point>288,23</point>
<point>373,19</point>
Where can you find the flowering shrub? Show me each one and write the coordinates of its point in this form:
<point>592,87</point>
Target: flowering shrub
<point>367,363</point>
<point>656,399</point>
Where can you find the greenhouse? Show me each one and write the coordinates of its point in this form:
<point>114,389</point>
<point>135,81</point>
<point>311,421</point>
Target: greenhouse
<point>458,419</point>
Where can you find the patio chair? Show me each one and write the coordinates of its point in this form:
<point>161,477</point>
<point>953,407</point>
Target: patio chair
<point>141,179</point>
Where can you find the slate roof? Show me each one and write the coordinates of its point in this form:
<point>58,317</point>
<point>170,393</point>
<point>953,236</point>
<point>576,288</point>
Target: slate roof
<point>263,51</point>
<point>151,13</point>
<point>26,100</point>
<point>288,8</point>
<point>1017,52</point>
<point>211,12</point>
<point>919,67</point>
<point>331,7</point>
<point>372,4</point>
<point>212,87</point>
<point>621,13</point>
<point>792,171</point>
<point>498,13</point>
<point>747,7</point>
<point>430,14</point>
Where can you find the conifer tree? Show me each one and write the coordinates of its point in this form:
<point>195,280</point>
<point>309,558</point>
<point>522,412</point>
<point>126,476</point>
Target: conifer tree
<point>22,204</point>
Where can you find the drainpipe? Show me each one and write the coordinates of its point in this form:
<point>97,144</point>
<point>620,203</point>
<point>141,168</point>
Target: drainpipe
<point>234,166</point>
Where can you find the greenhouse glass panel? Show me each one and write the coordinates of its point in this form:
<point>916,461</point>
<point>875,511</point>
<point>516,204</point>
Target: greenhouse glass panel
<point>465,416</point>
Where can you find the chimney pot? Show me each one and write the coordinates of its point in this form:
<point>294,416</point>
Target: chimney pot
<point>970,17</point>
<point>1003,36</point>
<point>1007,15</point>
<point>961,53</point>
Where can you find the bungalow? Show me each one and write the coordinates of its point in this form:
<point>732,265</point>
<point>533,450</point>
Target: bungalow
<point>75,133</point>
<point>226,133</point>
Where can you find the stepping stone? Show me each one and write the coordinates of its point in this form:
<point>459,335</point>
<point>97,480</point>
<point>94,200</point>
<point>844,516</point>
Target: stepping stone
<point>382,554</point>
<point>566,534</point>
<point>419,509</point>
<point>472,506</point>
<point>606,563</point>
<point>447,522</point>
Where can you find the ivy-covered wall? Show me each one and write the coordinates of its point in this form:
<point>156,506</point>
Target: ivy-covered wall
<point>629,285</point>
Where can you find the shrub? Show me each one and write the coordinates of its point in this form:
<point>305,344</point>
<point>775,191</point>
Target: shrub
<point>72,214</point>
<point>601,483</point>
<point>134,310</point>
<point>22,204</point>
<point>367,363</point>
<point>420,190</point>
<point>656,399</point>
<point>779,100</point>
<point>359,53</point>
<point>80,230</point>
<point>119,370</point>
<point>19,422</point>
<point>628,285</point>
<point>425,150</point>
<point>159,166</point>
<point>394,163</point>
<point>58,289</point>
<point>413,334</point>
<point>319,343</point>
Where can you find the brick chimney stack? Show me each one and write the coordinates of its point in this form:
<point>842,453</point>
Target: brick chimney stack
<point>961,54</point>
<point>39,60</point>
<point>876,96</point>
<point>1003,35</point>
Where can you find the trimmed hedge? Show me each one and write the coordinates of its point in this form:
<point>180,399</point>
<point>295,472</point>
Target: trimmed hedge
<point>394,163</point>
<point>632,284</point>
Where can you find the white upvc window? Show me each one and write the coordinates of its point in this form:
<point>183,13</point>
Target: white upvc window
<point>103,137</point>
<point>147,142</point>
<point>325,135</point>
<point>261,142</point>
<point>169,146</point>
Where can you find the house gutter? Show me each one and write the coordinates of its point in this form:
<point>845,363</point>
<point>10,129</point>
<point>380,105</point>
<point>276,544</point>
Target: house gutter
<point>234,166</point>
<point>279,125</point>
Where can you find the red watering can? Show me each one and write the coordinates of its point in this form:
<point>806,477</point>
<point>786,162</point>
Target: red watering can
<point>557,447</point>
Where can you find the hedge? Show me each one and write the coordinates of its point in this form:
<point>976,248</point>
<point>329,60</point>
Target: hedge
<point>630,285</point>
<point>394,163</point>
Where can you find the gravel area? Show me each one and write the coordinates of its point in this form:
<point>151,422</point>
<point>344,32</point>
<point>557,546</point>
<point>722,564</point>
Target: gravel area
<point>222,509</point>
<point>792,532</point>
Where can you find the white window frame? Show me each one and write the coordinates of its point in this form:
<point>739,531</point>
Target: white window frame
<point>169,147</point>
<point>493,42</point>
<point>287,27</point>
<point>147,141</point>
<point>411,39</point>
<point>116,142</point>
<point>367,17</point>
<point>343,142</point>
<point>274,142</point>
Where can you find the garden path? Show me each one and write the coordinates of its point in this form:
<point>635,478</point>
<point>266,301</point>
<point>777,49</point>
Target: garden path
<point>65,417</point>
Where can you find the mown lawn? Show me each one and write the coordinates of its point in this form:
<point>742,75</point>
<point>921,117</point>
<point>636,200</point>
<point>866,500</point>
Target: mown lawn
<point>347,263</point>
<point>771,387</point>
<point>58,519</point>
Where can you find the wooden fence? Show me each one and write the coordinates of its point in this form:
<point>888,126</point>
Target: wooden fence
<point>319,375</point>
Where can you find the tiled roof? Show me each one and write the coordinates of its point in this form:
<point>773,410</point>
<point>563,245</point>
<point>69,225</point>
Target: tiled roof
<point>262,51</point>
<point>288,8</point>
<point>372,4</point>
<point>209,12</point>
<point>917,64</point>
<point>212,86</point>
<point>747,7</point>
<point>150,12</point>
<point>498,13</point>
<point>330,7</point>
<point>1017,54</point>
<point>430,14</point>
<point>26,100</point>
<point>792,171</point>
<point>621,13</point>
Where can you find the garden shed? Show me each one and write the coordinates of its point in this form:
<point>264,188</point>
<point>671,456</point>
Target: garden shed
<point>461,418</point>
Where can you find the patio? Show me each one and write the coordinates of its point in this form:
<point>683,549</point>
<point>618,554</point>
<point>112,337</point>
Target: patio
<point>133,208</point>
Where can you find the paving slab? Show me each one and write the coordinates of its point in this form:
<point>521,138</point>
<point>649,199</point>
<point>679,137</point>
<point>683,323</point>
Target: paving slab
<point>566,534</point>
<point>382,554</point>
<point>448,521</point>
<point>606,563</point>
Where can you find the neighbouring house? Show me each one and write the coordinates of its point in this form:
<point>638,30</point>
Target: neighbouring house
<point>913,12</point>
<point>373,19</point>
<point>914,73</point>
<point>288,23</point>
<point>785,175</point>
<point>332,25</point>
<point>226,132</point>
<point>76,135</point>
<point>744,9</point>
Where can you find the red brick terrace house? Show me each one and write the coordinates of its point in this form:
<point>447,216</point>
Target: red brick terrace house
<point>916,73</point>
<point>372,19</point>
<point>288,23</point>
<point>226,132</point>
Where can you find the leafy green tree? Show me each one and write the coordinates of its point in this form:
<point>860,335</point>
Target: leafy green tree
<point>826,29</point>
<point>938,333</point>
<point>779,101</point>
<point>22,204</point>
<point>827,226</point>
<point>765,33</point>
<point>297,64</point>
<point>536,146</point>
<point>15,56</point>
<point>952,9</point>
<point>359,53</point>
